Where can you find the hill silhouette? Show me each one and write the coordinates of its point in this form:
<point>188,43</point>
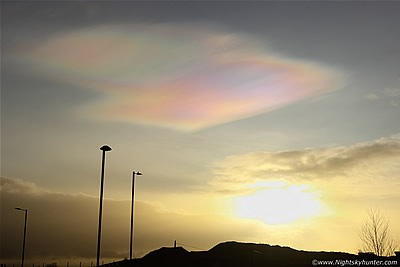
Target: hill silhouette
<point>235,254</point>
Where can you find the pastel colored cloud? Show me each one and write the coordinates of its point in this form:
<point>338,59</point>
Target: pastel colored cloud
<point>185,77</point>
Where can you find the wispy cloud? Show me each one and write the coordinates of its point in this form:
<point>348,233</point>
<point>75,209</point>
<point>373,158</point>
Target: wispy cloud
<point>186,77</point>
<point>392,92</point>
<point>371,96</point>
<point>394,95</point>
<point>370,159</point>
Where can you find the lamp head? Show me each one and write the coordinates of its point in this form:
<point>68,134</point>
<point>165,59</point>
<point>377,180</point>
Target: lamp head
<point>21,209</point>
<point>137,173</point>
<point>105,148</point>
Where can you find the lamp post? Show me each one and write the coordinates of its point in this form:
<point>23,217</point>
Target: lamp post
<point>104,149</point>
<point>132,205</point>
<point>23,244</point>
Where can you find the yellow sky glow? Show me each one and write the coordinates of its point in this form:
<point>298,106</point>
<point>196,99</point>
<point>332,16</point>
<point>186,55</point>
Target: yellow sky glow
<point>279,205</point>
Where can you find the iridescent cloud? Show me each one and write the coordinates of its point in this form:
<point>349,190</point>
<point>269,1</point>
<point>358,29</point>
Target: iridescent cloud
<point>185,77</point>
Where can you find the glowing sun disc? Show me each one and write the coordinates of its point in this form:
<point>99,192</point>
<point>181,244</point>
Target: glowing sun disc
<point>278,205</point>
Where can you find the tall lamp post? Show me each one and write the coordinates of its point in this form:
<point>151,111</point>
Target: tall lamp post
<point>23,244</point>
<point>132,205</point>
<point>104,149</point>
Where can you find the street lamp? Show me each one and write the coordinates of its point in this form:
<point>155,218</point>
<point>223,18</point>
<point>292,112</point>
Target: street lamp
<point>23,244</point>
<point>132,205</point>
<point>104,149</point>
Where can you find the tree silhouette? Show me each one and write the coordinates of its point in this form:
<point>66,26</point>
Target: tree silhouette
<point>374,234</point>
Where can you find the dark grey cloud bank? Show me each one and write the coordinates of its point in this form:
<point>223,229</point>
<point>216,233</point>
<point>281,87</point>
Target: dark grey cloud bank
<point>65,226</point>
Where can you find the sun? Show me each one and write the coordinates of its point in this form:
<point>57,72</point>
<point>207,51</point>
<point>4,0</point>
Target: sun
<point>281,204</point>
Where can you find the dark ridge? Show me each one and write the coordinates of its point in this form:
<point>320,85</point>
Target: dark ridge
<point>235,254</point>
<point>162,254</point>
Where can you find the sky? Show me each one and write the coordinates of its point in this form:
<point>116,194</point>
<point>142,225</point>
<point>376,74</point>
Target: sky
<point>270,122</point>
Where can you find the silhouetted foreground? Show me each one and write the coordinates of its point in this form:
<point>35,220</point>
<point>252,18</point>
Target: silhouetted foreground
<point>233,254</point>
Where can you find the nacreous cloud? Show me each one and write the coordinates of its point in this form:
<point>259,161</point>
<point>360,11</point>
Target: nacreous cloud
<point>378,159</point>
<point>184,77</point>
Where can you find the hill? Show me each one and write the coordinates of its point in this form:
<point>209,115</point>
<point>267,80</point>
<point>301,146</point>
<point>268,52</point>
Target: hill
<point>234,254</point>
